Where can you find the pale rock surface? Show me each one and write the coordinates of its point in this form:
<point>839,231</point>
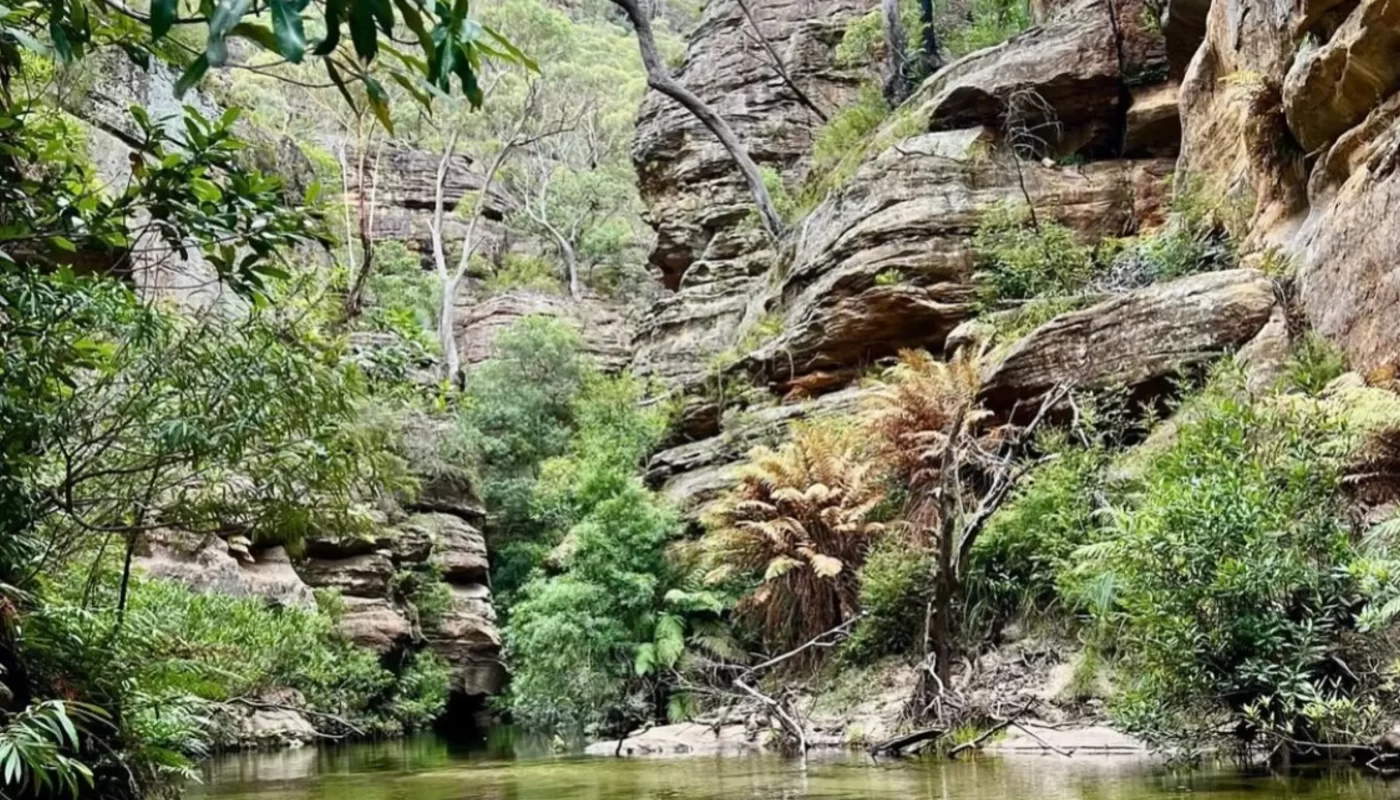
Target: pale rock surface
<point>204,564</point>
<point>1135,339</point>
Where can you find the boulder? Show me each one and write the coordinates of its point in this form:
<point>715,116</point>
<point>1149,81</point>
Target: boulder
<point>1264,359</point>
<point>1135,340</point>
<point>458,547</point>
<point>374,624</point>
<point>204,564</point>
<point>681,739</point>
<point>1153,124</point>
<point>887,262</point>
<point>272,719</point>
<point>1061,80</point>
<point>365,575</point>
<point>1333,86</point>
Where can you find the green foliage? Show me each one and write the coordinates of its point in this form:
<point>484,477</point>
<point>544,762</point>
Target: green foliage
<point>519,410</point>
<point>1019,258</point>
<point>191,186</point>
<point>34,744</point>
<point>527,272</point>
<point>177,664</point>
<point>581,634</point>
<point>116,405</point>
<point>1028,546</point>
<point>1197,238</point>
<point>895,585</point>
<point>841,143</point>
<point>1314,363</point>
<point>449,43</point>
<point>989,22</point>
<point>1230,573</point>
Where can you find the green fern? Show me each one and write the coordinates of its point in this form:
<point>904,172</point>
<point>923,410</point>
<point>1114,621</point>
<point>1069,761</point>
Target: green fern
<point>34,747</point>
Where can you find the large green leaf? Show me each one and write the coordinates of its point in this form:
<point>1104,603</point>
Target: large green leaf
<point>287,25</point>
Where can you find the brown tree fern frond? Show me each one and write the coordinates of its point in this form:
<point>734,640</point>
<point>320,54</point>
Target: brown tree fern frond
<point>799,520</point>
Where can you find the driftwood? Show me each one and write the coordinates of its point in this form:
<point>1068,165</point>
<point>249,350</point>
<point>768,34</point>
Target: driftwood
<point>897,745</point>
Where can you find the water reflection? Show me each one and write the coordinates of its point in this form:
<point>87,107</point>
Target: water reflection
<point>433,769</point>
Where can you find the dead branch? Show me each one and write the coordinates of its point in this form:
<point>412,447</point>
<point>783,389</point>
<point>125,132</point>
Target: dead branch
<point>659,78</point>
<point>776,62</point>
<point>897,744</point>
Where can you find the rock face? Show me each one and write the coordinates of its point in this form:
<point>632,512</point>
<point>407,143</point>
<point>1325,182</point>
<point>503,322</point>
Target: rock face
<point>708,252</point>
<point>604,329</point>
<point>887,263</point>
<point>1292,108</point>
<point>1063,82</point>
<point>692,474</point>
<point>1135,339</point>
<point>363,570</point>
<point>206,565</point>
<point>399,184</point>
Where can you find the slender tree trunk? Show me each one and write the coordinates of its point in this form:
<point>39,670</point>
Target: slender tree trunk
<point>897,85</point>
<point>659,78</point>
<point>447,313</point>
<point>932,60</point>
<point>126,580</point>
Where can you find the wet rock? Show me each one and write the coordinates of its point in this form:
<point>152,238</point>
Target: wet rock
<point>683,739</point>
<point>472,645</point>
<point>1136,339</point>
<point>273,720</point>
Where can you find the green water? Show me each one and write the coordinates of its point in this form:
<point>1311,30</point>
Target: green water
<point>429,769</point>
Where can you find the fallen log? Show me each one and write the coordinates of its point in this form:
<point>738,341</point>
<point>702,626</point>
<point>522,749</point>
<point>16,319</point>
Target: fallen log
<point>896,745</point>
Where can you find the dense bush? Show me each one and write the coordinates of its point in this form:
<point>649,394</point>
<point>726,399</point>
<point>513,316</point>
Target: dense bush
<point>175,665</point>
<point>895,586</point>
<point>518,412</point>
<point>593,603</point>
<point>1019,561</point>
<point>1019,258</point>
<point>1232,590</point>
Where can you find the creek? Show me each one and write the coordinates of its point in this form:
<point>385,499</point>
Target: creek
<point>504,768</point>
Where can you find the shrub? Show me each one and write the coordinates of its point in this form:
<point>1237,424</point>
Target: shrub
<point>1021,557</point>
<point>1229,568</point>
<point>798,524</point>
<point>848,128</point>
<point>519,412</point>
<point>895,585</point>
<point>574,635</point>
<point>1018,259</point>
<point>1313,363</point>
<point>989,23</point>
<point>531,273</point>
<point>911,409</point>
